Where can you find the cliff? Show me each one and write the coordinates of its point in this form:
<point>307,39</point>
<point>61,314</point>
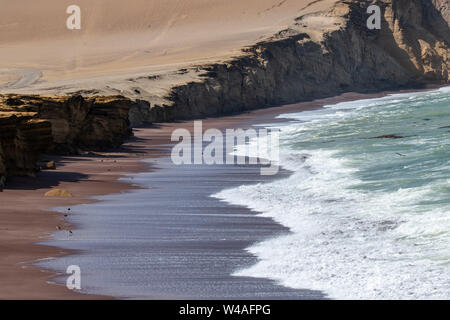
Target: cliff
<point>31,125</point>
<point>320,55</point>
<point>22,140</point>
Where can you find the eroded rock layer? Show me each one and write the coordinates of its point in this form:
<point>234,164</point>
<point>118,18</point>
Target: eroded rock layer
<point>321,55</point>
<point>31,125</point>
<point>22,139</point>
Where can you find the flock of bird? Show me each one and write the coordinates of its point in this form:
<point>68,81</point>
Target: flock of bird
<point>59,228</point>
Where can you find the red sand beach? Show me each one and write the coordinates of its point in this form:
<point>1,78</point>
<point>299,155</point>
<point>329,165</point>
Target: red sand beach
<point>25,213</point>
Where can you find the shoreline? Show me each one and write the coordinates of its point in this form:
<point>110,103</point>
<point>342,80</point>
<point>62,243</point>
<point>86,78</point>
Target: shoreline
<point>84,177</point>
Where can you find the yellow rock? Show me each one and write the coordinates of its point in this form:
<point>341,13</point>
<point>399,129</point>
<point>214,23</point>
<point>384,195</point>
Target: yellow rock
<point>58,193</point>
<point>50,165</point>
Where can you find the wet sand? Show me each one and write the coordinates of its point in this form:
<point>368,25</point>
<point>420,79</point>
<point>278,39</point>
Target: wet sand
<point>26,217</point>
<point>173,241</point>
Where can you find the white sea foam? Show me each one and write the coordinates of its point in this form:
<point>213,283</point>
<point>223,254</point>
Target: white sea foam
<point>348,242</point>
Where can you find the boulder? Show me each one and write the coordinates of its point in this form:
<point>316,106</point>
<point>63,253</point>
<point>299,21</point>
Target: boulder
<point>58,193</point>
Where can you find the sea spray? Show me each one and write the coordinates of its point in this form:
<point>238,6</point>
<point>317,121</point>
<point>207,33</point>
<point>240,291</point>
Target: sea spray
<point>368,213</point>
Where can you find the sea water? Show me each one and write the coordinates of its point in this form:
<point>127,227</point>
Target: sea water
<point>368,202</point>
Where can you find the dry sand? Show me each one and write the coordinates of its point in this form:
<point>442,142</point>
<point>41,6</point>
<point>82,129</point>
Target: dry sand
<point>123,39</point>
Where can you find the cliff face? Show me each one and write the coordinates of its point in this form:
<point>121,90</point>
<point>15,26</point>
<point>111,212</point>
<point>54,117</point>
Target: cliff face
<point>77,122</point>
<point>321,55</point>
<point>31,125</point>
<point>22,140</point>
<point>441,6</point>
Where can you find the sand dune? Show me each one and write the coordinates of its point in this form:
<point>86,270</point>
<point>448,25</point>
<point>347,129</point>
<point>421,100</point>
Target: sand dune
<point>134,36</point>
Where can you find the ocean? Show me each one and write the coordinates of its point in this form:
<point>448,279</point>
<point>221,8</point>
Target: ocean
<point>367,203</point>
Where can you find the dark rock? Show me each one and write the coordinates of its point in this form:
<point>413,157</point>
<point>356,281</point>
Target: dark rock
<point>32,124</point>
<point>388,136</point>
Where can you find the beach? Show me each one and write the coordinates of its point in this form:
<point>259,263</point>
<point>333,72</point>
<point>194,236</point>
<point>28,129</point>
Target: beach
<point>84,176</point>
<point>361,193</point>
<point>89,176</point>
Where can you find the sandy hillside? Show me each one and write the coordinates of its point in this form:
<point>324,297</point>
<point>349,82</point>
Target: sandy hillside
<point>126,37</point>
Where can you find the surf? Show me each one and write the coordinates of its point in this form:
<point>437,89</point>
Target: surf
<point>367,202</point>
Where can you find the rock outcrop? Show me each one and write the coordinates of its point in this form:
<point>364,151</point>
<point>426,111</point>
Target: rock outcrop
<point>31,125</point>
<point>441,7</point>
<point>321,55</point>
<point>22,139</point>
<point>77,122</point>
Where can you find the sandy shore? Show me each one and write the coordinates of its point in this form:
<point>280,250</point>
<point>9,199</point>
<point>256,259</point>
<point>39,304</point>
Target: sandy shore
<point>25,213</point>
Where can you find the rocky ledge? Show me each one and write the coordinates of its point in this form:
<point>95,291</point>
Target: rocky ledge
<point>31,125</point>
<point>22,139</point>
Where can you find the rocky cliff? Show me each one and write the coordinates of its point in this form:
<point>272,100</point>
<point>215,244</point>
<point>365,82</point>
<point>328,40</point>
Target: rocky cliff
<point>442,7</point>
<point>320,55</point>
<point>30,125</point>
<point>22,139</point>
<point>77,122</point>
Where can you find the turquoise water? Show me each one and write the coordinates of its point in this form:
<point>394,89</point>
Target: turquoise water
<point>368,202</point>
